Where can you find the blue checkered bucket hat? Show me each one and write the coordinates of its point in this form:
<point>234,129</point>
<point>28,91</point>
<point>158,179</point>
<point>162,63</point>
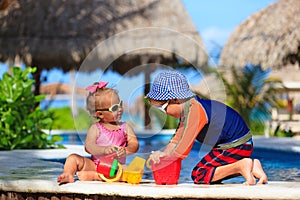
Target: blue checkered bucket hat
<point>170,85</point>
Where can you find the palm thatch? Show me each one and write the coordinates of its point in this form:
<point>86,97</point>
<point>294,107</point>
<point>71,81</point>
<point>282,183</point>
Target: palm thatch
<point>270,38</point>
<point>58,33</point>
<point>4,4</point>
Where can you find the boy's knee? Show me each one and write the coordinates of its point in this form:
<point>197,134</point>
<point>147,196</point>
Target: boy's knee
<point>200,180</point>
<point>200,176</point>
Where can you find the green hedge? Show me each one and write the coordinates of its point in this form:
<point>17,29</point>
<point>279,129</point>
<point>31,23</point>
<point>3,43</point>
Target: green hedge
<point>22,121</point>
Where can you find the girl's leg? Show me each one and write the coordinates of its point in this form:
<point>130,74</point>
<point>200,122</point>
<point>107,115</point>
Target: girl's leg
<point>243,167</point>
<point>75,163</point>
<point>258,172</point>
<point>88,176</point>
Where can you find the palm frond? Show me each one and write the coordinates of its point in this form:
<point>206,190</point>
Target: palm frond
<point>252,92</point>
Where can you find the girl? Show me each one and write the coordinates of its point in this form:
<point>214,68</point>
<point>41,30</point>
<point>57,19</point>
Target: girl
<point>106,136</point>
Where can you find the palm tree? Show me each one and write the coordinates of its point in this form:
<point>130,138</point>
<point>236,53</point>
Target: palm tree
<point>252,92</point>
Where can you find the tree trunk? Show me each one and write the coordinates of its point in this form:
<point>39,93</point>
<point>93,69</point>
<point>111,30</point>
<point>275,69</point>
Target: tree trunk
<point>146,91</point>
<point>37,83</point>
<point>147,120</point>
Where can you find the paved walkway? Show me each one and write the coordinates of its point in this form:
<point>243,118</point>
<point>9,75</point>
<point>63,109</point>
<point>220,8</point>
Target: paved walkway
<point>28,172</point>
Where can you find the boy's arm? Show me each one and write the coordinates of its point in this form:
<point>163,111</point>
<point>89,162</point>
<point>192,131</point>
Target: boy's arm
<point>189,127</point>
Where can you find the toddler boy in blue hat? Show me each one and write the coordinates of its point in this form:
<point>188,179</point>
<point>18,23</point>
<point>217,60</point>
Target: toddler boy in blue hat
<point>211,123</point>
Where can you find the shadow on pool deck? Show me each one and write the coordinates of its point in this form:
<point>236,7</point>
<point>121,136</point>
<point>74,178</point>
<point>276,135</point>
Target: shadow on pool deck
<point>26,174</point>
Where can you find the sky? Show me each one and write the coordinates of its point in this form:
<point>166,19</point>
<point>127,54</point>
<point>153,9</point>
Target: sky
<point>215,20</point>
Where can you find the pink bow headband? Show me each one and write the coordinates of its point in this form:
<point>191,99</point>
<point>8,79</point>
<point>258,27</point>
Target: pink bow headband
<point>93,88</point>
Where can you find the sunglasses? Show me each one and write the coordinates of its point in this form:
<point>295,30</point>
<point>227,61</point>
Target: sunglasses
<point>113,108</point>
<point>163,107</point>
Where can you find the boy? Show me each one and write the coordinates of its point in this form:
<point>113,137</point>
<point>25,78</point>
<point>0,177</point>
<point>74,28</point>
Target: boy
<point>210,122</point>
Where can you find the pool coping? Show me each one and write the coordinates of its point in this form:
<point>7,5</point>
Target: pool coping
<point>147,189</point>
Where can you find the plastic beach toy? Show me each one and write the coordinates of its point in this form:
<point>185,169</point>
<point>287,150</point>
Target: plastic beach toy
<point>109,169</point>
<point>134,171</point>
<point>167,171</point>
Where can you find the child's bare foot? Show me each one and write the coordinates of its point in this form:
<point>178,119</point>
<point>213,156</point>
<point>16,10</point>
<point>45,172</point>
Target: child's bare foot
<point>65,178</point>
<point>258,172</point>
<point>88,176</point>
<point>245,167</point>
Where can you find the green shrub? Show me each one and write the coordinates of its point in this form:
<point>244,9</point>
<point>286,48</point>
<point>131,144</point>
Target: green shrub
<point>257,127</point>
<point>283,132</point>
<point>22,121</point>
<point>63,119</point>
<point>171,123</point>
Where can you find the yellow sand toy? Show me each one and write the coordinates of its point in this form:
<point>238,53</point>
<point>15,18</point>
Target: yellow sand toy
<point>134,171</point>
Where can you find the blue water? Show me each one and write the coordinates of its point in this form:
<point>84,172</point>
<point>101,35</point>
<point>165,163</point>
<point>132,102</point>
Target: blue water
<point>278,165</point>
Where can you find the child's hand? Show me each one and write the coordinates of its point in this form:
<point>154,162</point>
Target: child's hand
<point>156,155</point>
<point>121,151</point>
<point>110,149</point>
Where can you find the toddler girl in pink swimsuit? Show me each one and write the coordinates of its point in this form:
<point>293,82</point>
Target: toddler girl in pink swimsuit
<point>104,137</point>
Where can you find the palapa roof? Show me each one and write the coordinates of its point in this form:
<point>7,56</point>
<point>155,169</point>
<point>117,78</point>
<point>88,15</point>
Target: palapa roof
<point>59,33</point>
<point>270,38</point>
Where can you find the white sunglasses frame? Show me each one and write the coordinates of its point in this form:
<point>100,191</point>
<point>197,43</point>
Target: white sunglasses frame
<point>110,109</point>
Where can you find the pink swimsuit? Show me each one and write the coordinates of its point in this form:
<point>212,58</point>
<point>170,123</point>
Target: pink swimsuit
<point>108,137</point>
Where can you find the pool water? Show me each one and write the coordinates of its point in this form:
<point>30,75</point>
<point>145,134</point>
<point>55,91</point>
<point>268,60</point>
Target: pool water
<point>278,165</point>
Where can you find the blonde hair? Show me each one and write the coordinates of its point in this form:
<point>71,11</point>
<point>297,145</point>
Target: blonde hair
<point>95,100</point>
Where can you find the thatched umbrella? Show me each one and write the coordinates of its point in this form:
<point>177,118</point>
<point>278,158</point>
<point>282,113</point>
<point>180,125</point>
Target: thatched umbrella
<point>270,38</point>
<point>58,33</point>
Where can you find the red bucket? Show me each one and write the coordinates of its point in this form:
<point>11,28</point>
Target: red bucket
<point>167,171</point>
<point>109,169</point>
<point>107,165</point>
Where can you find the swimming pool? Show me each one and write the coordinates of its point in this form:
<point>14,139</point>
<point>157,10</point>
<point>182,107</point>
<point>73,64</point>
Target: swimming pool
<point>278,165</point>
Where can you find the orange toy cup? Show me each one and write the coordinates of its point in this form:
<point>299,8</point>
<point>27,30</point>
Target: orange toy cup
<point>167,171</point>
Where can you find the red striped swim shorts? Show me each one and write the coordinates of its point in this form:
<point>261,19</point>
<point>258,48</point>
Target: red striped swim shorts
<point>204,171</point>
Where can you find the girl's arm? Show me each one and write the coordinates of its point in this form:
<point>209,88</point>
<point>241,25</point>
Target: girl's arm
<point>133,144</point>
<point>90,143</point>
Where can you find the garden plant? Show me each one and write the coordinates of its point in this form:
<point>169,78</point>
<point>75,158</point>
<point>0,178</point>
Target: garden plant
<point>23,123</point>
